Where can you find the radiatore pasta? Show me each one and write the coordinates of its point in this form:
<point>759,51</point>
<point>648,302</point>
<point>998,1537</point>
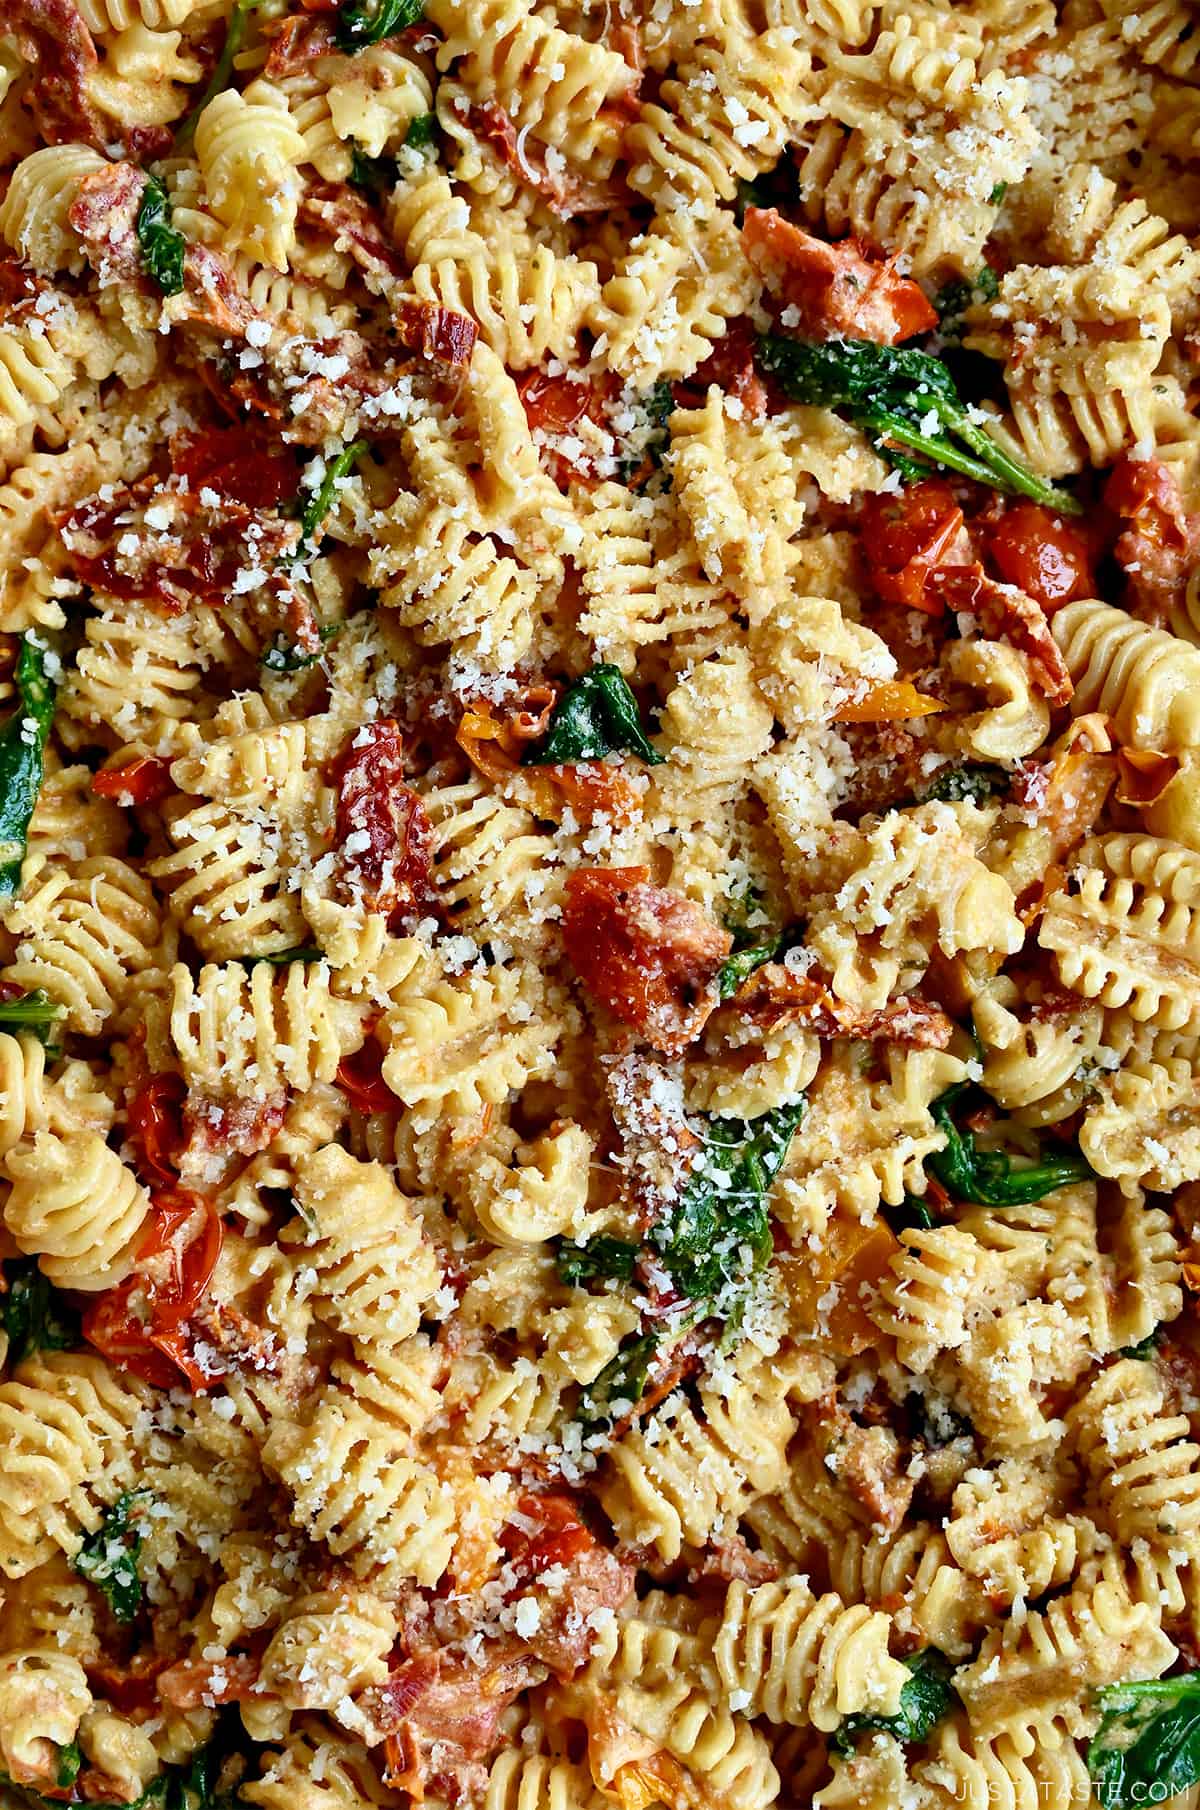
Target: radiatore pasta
<point>599,904</point>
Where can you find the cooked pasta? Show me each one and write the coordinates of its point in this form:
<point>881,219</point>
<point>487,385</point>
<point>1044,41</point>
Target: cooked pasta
<point>599,904</point>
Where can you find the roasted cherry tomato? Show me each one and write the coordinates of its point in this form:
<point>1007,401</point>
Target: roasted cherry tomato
<point>907,536</point>
<point>143,780</point>
<point>1042,555</point>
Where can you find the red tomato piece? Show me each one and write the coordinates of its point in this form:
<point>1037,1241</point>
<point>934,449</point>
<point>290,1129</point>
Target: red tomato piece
<point>907,536</point>
<point>383,829</point>
<point>360,1079</point>
<point>110,1324</point>
<point>1159,541</point>
<point>1039,552</point>
<point>556,405</point>
<point>646,954</point>
<point>155,1124</point>
<point>548,1532</point>
<point>840,289</point>
<point>1146,492</point>
<point>239,463</point>
<point>155,1343</point>
<point>731,366</point>
<point>143,780</point>
<point>189,1683</point>
<point>129,1687</point>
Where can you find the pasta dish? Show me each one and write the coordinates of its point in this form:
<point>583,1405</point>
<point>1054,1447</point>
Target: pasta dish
<point>599,904</point>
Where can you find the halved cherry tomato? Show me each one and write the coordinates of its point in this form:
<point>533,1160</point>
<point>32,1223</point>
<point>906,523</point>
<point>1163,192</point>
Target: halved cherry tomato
<point>143,780</point>
<point>1146,493</point>
<point>556,1536</point>
<point>157,1348</point>
<point>907,536</point>
<point>361,1080</point>
<point>556,405</point>
<point>1036,550</point>
<point>155,1124</point>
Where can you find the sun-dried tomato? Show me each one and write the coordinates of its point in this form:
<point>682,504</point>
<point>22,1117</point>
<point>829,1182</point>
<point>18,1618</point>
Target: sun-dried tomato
<point>383,829</point>
<point>564,190</point>
<point>645,953</point>
<point>1159,541</point>
<point>143,780</point>
<point>844,289</point>
<point>1042,554</point>
<point>243,464</point>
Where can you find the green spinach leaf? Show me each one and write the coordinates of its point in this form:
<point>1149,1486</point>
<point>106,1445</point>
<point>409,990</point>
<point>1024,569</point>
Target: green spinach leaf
<point>1147,1748</point>
<point>373,175</point>
<point>648,443</point>
<point>108,1558</point>
<point>422,132</point>
<point>721,1219</point>
<point>908,403</point>
<point>69,1761</point>
<point>23,738</point>
<point>976,780</point>
<point>313,512</point>
<point>600,1258</point>
<point>925,1699</point>
<point>35,1012</point>
<point>989,1178</point>
<point>163,245</point>
<point>596,716</point>
<point>621,1383</point>
<point>283,656</point>
<point>33,1313</point>
<point>367,21</point>
<point>742,963</point>
<point>953,301</point>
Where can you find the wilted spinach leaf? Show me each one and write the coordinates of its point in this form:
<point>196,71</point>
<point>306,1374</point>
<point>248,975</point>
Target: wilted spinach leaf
<point>23,738</point>
<point>163,245</point>
<point>34,1315</point>
<point>1147,1748</point>
<point>925,1699</point>
<point>596,716</point>
<point>108,1558</point>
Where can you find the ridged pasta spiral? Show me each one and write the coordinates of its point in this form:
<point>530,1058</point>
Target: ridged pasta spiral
<point>255,1031</point>
<point>670,1484</point>
<point>1126,929</point>
<point>353,1487</point>
<point>1144,1466</point>
<point>43,1695</point>
<point>83,935</point>
<point>33,217</point>
<point>76,1207</point>
<point>804,1659</point>
<point>248,147</point>
<point>372,1271</point>
<point>65,1420</point>
<point>1145,679</point>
